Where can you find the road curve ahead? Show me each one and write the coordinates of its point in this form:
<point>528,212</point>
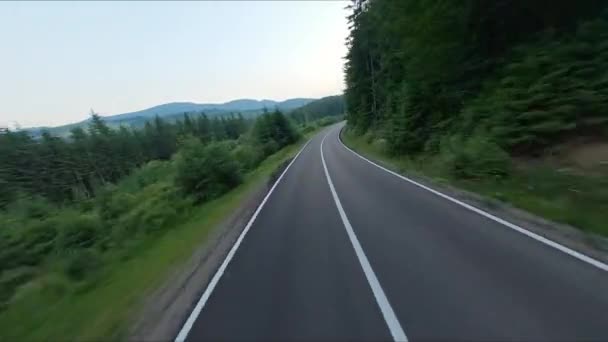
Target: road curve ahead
<point>343,250</point>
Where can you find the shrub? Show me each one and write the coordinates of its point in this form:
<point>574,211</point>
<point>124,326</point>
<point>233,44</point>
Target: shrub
<point>208,171</point>
<point>112,204</point>
<point>474,157</point>
<point>152,172</point>
<point>248,156</point>
<point>82,263</point>
<point>152,209</point>
<point>269,147</point>
<point>27,245</point>
<point>78,230</point>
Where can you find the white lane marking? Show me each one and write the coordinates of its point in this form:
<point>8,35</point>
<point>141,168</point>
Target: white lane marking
<point>183,333</point>
<point>515,227</point>
<point>385,307</point>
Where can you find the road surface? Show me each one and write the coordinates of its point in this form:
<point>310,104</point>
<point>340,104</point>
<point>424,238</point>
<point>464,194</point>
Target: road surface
<point>369,256</point>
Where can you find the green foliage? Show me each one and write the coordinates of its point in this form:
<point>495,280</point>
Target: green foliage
<point>476,157</point>
<point>75,169</point>
<point>77,230</point>
<point>152,208</point>
<point>528,72</point>
<point>272,131</point>
<point>548,92</point>
<point>320,109</point>
<point>248,156</point>
<point>206,171</point>
<point>27,246</point>
<point>81,263</point>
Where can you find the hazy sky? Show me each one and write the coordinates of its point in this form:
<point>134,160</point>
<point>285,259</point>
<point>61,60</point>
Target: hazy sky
<point>60,59</point>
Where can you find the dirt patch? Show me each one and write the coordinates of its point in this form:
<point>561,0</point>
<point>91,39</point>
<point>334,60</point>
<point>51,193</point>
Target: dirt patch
<point>166,309</point>
<point>587,156</point>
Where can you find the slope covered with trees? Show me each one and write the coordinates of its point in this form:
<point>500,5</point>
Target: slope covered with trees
<point>321,108</point>
<point>524,73</point>
<point>476,87</point>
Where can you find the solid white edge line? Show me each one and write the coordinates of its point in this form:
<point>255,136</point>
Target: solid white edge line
<point>515,227</point>
<point>183,333</point>
<point>385,307</point>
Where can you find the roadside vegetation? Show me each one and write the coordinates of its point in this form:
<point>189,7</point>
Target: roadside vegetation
<point>90,223</point>
<point>508,99</point>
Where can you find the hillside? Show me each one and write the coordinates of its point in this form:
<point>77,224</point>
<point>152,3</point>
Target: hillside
<point>324,107</point>
<point>171,111</point>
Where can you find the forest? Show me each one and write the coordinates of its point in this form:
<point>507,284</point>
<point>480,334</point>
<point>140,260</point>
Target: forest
<point>484,90</point>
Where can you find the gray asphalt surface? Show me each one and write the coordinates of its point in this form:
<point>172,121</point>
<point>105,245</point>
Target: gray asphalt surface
<point>448,273</point>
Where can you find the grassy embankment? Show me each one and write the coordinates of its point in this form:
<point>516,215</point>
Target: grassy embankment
<point>53,306</point>
<point>561,194</point>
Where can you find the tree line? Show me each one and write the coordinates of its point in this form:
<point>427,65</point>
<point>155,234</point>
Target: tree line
<point>75,168</point>
<point>513,75</point>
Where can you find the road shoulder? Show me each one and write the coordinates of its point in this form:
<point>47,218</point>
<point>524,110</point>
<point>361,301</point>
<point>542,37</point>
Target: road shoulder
<point>589,244</point>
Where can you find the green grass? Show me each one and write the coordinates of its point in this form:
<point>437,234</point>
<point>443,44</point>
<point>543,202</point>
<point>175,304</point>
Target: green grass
<point>101,309</point>
<point>558,195</point>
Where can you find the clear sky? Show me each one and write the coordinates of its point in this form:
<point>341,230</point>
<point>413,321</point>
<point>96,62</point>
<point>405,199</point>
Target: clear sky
<point>60,59</point>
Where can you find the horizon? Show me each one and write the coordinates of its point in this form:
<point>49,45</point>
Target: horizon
<point>117,58</point>
<point>87,115</point>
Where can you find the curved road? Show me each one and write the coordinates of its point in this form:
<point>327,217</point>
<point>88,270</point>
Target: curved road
<point>342,249</point>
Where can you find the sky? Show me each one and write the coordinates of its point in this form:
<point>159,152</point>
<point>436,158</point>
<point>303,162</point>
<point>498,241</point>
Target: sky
<point>59,60</point>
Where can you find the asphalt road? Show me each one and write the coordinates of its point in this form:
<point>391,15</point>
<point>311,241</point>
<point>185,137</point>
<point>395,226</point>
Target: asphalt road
<point>369,256</point>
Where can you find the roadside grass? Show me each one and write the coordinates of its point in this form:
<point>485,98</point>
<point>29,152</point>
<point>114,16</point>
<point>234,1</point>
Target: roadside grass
<point>101,308</point>
<point>559,195</point>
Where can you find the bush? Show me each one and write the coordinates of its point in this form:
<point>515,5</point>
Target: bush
<point>27,245</point>
<point>248,156</point>
<point>474,158</point>
<point>269,147</point>
<point>206,172</point>
<point>113,204</point>
<point>154,207</point>
<point>152,172</point>
<point>82,263</point>
<point>78,230</point>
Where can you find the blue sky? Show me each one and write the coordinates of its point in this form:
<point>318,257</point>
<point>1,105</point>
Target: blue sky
<point>60,59</point>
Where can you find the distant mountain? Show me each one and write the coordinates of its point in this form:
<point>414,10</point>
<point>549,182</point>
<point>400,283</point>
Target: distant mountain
<point>176,109</point>
<point>240,105</point>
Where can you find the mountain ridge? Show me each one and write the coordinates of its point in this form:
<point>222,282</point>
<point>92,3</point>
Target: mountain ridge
<point>172,109</point>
